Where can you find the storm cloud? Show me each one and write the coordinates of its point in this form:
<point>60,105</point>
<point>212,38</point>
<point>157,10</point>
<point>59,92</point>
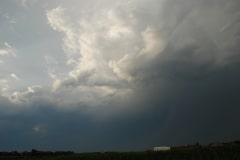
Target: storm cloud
<point>118,75</point>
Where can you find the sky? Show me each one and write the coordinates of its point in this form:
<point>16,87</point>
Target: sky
<point>118,75</point>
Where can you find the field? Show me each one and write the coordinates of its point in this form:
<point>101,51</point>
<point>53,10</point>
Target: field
<point>229,151</point>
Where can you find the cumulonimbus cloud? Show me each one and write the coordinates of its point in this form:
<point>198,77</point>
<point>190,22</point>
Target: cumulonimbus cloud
<point>112,46</point>
<point>119,47</point>
<point>104,48</point>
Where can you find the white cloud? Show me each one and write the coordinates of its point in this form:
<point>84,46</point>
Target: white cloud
<point>2,80</point>
<point>25,96</point>
<point>104,48</point>
<point>60,22</point>
<point>36,129</point>
<point>3,86</point>
<point>6,49</point>
<point>119,68</point>
<point>56,84</point>
<point>39,129</point>
<point>10,19</point>
<point>4,89</point>
<point>153,43</point>
<point>27,3</point>
<point>13,75</point>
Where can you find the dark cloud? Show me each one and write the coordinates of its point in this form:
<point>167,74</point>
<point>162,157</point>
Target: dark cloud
<point>195,103</point>
<point>186,92</point>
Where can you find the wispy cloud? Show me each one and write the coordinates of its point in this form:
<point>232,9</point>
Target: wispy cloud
<point>2,80</point>
<point>6,49</point>
<point>27,3</point>
<point>13,75</point>
<point>27,96</point>
<point>39,129</point>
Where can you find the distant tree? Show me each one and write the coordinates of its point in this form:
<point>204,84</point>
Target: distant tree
<point>16,153</point>
<point>197,144</point>
<point>34,151</point>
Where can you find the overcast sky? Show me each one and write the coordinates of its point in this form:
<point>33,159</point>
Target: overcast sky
<point>102,75</point>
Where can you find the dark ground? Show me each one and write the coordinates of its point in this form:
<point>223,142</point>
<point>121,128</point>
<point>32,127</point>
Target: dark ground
<point>213,151</point>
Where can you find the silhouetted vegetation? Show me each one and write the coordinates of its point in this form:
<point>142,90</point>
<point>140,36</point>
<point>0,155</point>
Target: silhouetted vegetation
<point>213,151</point>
